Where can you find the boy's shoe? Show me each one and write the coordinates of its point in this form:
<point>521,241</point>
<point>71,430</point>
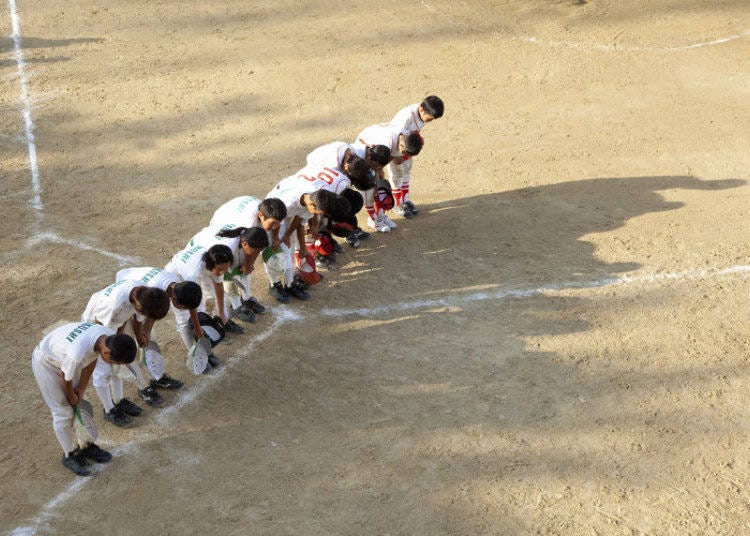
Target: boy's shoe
<point>96,453</point>
<point>254,306</point>
<point>389,222</point>
<point>118,418</point>
<point>243,313</point>
<point>352,240</point>
<point>151,396</point>
<point>298,291</point>
<point>129,408</point>
<point>360,234</point>
<point>404,211</point>
<point>379,225</point>
<point>279,292</point>
<point>325,261</point>
<point>411,207</point>
<point>76,463</point>
<point>213,361</point>
<point>166,382</point>
<point>230,326</point>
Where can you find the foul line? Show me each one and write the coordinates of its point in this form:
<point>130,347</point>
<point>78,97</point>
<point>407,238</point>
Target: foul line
<point>36,200</point>
<point>123,260</point>
<point>528,292</point>
<point>617,48</point>
<point>36,187</point>
<point>189,395</point>
<point>284,315</point>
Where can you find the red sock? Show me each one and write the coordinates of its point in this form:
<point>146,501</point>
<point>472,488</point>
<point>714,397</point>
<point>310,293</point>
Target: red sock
<point>397,196</point>
<point>404,192</point>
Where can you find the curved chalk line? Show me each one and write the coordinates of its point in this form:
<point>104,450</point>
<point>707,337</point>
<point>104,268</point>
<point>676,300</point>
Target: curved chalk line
<point>285,315</point>
<point>618,48</point>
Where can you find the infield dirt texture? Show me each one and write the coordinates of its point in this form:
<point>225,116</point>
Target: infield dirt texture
<point>557,344</point>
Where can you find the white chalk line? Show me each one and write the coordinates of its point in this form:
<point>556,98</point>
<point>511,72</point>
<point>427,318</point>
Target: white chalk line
<point>503,294</point>
<point>584,46</point>
<point>123,260</point>
<point>187,396</point>
<point>619,48</point>
<point>36,199</point>
<point>285,315</point>
<point>28,103</point>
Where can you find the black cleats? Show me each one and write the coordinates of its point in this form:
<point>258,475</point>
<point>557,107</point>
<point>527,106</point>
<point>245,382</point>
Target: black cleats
<point>151,396</point>
<point>166,382</point>
<point>95,453</point>
<point>76,463</point>
<point>129,408</point>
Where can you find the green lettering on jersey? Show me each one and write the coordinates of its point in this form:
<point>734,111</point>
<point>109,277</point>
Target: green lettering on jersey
<point>189,253</point>
<point>80,328</point>
<point>153,272</point>
<point>110,288</point>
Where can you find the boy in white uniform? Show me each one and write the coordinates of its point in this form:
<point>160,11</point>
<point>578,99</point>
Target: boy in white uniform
<point>249,211</point>
<point>113,307</point>
<point>206,267</point>
<point>246,244</point>
<point>63,363</point>
<point>402,147</point>
<point>183,295</point>
<point>408,120</point>
<point>303,200</point>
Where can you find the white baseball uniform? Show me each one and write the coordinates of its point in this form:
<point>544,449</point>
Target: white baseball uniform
<point>67,349</point>
<point>290,190</point>
<point>150,277</point>
<point>189,265</point>
<point>407,119</point>
<point>236,284</point>
<point>380,134</point>
<point>241,212</point>
<point>329,155</point>
<point>112,308</point>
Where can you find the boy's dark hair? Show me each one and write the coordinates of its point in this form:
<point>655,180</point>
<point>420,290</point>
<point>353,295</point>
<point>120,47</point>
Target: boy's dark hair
<point>217,254</point>
<point>255,237</point>
<point>154,302</point>
<point>413,143</point>
<point>366,183</point>
<point>188,294</point>
<point>342,210</point>
<point>380,154</point>
<point>357,169</point>
<point>273,208</point>
<point>122,348</point>
<point>324,200</point>
<point>433,105</point>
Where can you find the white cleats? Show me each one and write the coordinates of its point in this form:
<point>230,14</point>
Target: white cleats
<point>390,223</point>
<point>379,225</point>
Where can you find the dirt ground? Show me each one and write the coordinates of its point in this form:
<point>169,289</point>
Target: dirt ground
<point>557,344</point>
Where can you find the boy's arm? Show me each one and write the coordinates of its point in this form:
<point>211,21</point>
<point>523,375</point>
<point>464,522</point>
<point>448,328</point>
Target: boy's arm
<point>141,335</point>
<point>219,293</point>
<point>70,393</point>
<point>83,382</point>
<point>197,329</point>
<point>292,227</point>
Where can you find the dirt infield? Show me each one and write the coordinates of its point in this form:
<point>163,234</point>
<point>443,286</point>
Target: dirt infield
<point>558,343</point>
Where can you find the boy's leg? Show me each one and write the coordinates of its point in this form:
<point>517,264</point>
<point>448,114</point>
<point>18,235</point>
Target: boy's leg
<point>62,412</point>
<point>101,376</point>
